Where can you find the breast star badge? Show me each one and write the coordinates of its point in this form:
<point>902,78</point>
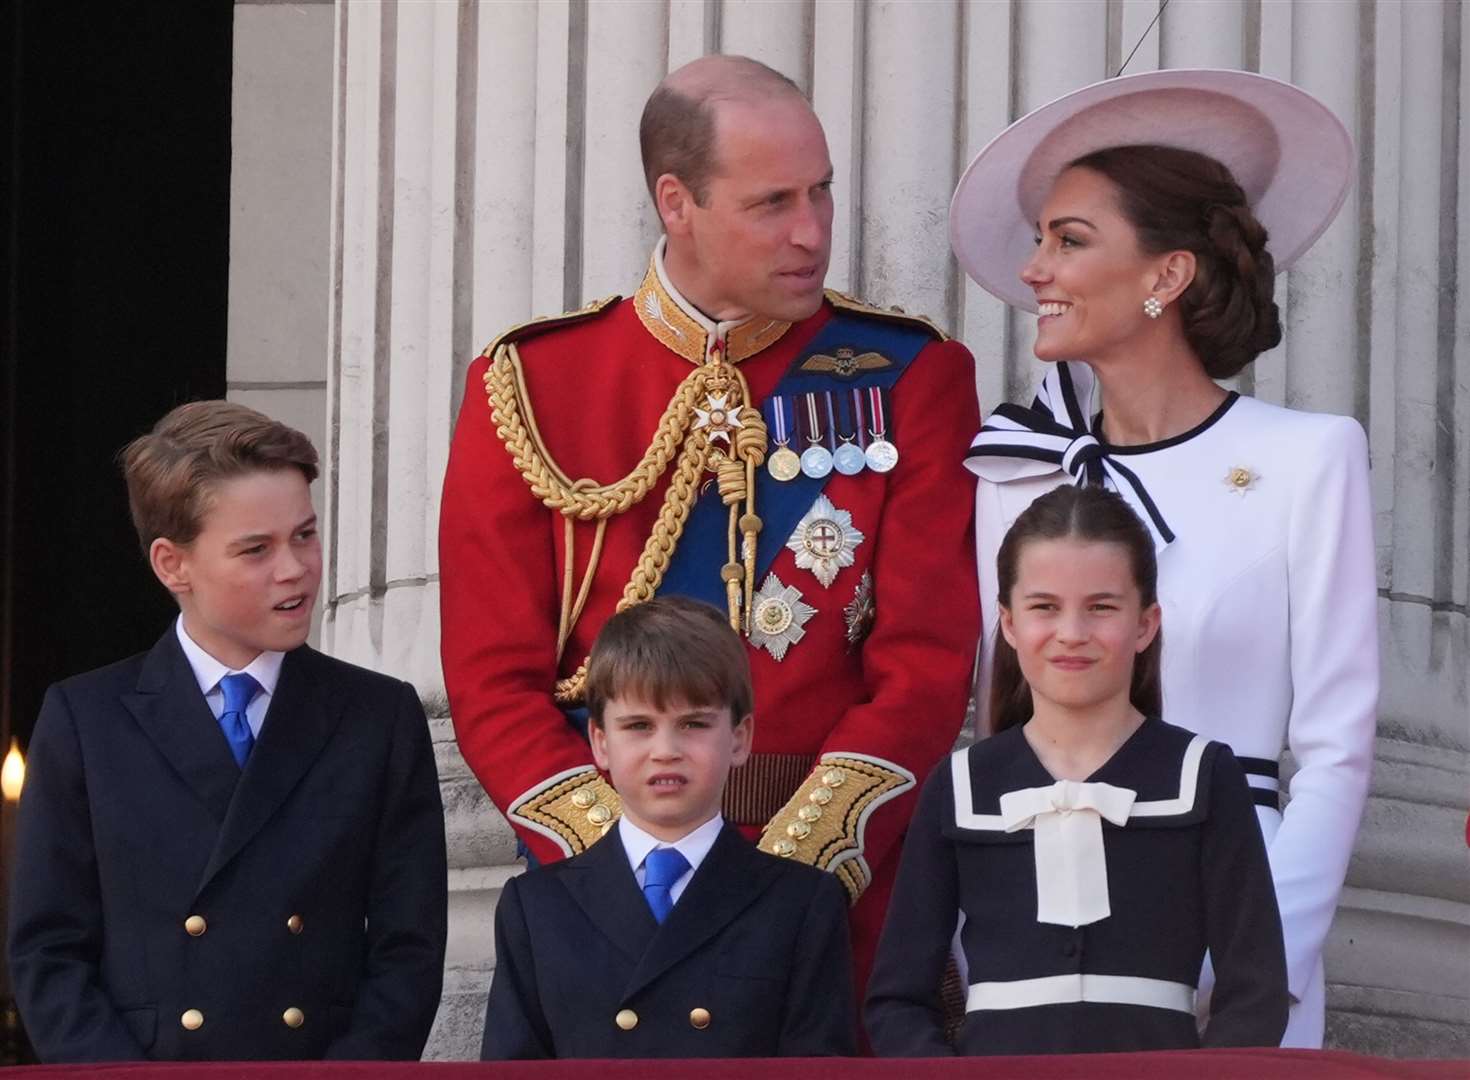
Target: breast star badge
<point>860,612</point>
<point>779,617</point>
<point>824,540</point>
<point>1240,480</point>
<point>719,416</point>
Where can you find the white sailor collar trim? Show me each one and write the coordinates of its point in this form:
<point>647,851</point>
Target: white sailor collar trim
<point>1179,809</point>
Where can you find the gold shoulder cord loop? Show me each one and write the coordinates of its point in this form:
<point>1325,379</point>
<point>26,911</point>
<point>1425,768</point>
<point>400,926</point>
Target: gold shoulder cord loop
<point>585,500</point>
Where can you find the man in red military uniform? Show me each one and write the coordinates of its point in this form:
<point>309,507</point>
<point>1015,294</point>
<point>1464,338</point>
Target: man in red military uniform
<point>732,432</point>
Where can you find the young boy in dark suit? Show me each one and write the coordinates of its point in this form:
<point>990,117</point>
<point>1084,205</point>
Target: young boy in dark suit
<point>230,846</point>
<point>673,936</point>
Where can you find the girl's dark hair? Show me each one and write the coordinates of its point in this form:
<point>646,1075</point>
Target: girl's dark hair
<point>1093,515</point>
<point>1178,200</point>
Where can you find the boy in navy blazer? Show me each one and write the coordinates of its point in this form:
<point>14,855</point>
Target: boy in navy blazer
<point>672,936</point>
<point>230,846</point>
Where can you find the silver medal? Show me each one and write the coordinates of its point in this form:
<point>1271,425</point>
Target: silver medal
<point>816,461</point>
<point>849,460</point>
<point>881,455</point>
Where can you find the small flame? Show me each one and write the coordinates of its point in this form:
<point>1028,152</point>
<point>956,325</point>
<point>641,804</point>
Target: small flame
<point>12,774</point>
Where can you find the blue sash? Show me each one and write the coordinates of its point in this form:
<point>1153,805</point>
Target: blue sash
<point>694,569</point>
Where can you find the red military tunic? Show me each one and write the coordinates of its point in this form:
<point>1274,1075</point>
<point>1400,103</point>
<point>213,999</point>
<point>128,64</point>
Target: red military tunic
<point>863,722</point>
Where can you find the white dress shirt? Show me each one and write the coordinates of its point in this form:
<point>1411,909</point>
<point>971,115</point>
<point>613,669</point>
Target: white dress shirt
<point>694,846</point>
<point>264,669</point>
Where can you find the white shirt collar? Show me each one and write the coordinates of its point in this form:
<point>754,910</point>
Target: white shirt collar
<point>265,668</point>
<point>715,331</point>
<point>693,845</point>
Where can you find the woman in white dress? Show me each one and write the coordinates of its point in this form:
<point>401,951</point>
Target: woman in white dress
<point>1144,220</point>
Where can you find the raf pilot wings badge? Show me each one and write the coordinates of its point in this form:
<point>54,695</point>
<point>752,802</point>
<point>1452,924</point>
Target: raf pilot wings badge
<point>846,363</point>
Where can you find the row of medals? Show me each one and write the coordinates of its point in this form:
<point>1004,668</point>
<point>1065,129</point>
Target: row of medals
<point>817,462</point>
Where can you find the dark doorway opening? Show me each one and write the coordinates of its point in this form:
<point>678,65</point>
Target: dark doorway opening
<point>114,193</point>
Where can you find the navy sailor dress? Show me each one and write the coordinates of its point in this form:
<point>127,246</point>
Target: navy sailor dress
<point>1137,871</point>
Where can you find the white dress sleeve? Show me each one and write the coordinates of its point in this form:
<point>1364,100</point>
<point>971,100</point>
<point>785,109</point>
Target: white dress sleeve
<point>1333,603</point>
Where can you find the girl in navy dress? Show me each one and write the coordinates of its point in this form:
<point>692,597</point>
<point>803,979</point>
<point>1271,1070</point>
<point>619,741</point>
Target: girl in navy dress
<point>1091,852</point>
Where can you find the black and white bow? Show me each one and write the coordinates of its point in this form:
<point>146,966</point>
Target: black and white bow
<point>1056,435</point>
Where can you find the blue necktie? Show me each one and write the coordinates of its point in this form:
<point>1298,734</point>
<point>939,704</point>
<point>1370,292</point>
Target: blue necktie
<point>238,690</point>
<point>661,869</point>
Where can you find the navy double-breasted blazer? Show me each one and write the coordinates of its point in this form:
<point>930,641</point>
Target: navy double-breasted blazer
<point>753,961</point>
<point>167,904</point>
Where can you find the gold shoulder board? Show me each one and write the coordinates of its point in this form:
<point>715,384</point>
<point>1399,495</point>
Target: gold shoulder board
<point>843,302</point>
<point>546,322</point>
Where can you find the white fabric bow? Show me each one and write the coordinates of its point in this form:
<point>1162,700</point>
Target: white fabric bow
<point>1071,865</point>
<point>1055,433</point>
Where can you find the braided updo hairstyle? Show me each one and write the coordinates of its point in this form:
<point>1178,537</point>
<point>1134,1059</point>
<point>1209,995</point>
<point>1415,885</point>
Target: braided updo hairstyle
<point>1178,200</point>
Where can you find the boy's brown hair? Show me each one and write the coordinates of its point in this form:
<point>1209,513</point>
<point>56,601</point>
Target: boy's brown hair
<point>670,649</point>
<point>172,471</point>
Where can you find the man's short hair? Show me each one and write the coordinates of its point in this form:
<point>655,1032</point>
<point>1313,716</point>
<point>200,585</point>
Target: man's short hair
<point>677,131</point>
<point>670,650</point>
<point>172,472</point>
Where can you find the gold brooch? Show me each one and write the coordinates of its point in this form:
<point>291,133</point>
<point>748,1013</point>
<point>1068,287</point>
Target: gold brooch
<point>1240,480</point>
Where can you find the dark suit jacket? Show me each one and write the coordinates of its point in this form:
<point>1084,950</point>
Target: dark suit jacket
<point>760,944</point>
<point>134,817</point>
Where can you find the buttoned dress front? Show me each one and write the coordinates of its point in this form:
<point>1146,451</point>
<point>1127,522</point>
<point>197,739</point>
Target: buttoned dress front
<point>1269,619</point>
<point>1186,871</point>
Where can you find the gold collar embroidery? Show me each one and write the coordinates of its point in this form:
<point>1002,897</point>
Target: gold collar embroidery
<point>668,317</point>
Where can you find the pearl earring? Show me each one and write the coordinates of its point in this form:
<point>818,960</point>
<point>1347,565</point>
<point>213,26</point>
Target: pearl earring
<point>1152,308</point>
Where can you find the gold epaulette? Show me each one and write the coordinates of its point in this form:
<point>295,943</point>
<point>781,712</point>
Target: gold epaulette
<point>843,302</point>
<point>574,809</point>
<point>822,824</point>
<point>522,331</point>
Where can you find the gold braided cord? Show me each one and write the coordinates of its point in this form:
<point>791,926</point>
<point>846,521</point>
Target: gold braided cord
<point>564,624</point>
<point>592,561</point>
<point>658,549</point>
<point>675,440</point>
<point>571,611</point>
<point>515,424</point>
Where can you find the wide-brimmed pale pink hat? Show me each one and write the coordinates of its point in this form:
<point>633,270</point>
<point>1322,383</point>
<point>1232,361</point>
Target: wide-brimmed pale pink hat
<point>1286,149</point>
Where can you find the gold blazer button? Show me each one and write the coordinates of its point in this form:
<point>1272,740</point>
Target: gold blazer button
<point>293,924</point>
<point>192,1020</point>
<point>699,1018</point>
<point>626,1019</point>
<point>293,1017</point>
<point>195,925</point>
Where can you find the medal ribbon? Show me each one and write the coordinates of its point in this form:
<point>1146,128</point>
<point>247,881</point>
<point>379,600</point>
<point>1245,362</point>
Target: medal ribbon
<point>814,421</point>
<point>831,422</point>
<point>879,430</point>
<point>776,407</point>
<point>846,431</point>
<point>859,433</point>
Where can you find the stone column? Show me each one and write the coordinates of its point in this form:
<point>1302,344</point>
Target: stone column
<point>409,190</point>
